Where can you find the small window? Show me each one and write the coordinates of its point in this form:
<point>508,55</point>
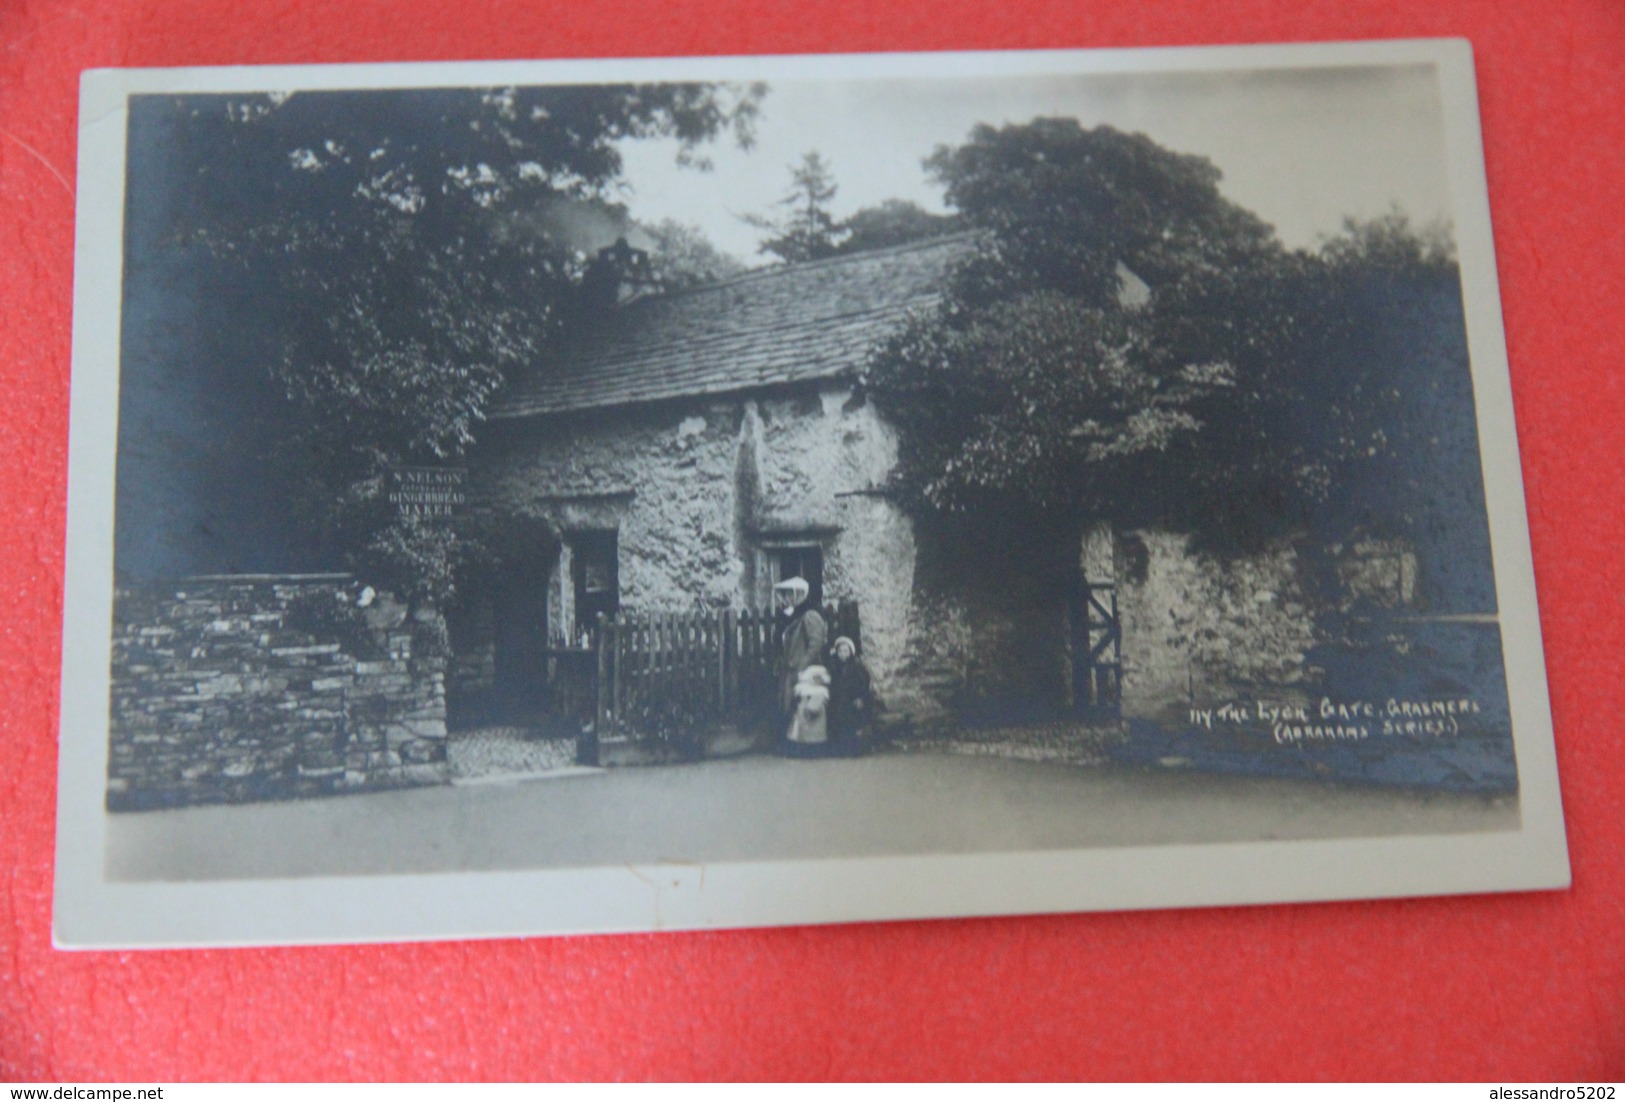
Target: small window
<point>804,561</point>
<point>595,566</point>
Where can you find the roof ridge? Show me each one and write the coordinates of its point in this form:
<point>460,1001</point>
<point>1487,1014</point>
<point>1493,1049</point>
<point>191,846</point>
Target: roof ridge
<point>710,390</point>
<point>773,271</point>
<point>702,342</point>
<point>773,327</point>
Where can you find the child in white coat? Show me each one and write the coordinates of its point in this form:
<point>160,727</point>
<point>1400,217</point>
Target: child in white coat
<point>809,726</point>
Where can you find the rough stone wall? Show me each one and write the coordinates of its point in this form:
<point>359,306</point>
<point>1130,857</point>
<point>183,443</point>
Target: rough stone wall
<point>819,460</point>
<point>664,479</point>
<point>228,689</point>
<point>815,451</point>
<point>873,562</point>
<point>697,493</point>
<point>968,626</point>
<point>986,637</point>
<point>1193,625</point>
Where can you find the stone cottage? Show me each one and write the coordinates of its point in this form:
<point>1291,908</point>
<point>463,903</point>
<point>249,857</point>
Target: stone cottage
<point>690,450</point>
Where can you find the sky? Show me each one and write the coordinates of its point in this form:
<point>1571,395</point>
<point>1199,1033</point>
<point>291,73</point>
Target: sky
<point>1302,148</point>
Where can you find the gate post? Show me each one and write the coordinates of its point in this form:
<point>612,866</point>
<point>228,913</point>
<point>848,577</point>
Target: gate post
<point>587,745</point>
<point>727,668</point>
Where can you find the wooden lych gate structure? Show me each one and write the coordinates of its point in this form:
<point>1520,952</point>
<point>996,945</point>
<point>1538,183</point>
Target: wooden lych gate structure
<point>674,676</point>
<point>1097,645</point>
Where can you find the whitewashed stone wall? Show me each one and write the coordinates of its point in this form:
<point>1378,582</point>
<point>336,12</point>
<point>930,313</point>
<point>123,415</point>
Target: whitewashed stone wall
<point>699,492</point>
<point>1201,628</point>
<point>963,625</point>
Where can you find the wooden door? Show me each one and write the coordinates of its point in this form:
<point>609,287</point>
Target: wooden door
<point>520,629</point>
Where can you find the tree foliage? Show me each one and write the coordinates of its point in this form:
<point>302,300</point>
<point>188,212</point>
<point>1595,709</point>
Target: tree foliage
<point>803,228</point>
<point>890,223</point>
<point>1260,391</point>
<point>1039,402</point>
<point>682,256</point>
<point>1064,206</point>
<point>418,246</point>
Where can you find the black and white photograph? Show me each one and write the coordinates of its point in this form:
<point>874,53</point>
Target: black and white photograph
<point>524,498</point>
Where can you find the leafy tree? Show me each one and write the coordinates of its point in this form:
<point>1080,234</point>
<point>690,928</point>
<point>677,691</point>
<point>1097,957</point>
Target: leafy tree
<point>805,230</point>
<point>1386,401</point>
<point>681,256</point>
<point>1035,389</point>
<point>890,223</point>
<point>1038,404</point>
<point>416,246</point>
<point>1063,207</point>
<point>1389,243</point>
<point>1260,392</point>
<point>1352,410</point>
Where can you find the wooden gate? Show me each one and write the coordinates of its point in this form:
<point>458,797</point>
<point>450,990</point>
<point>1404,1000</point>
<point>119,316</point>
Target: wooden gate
<point>672,676</point>
<point>1097,653</point>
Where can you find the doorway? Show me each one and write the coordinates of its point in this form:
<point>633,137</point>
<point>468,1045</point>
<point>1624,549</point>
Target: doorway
<point>519,630</point>
<point>798,560</point>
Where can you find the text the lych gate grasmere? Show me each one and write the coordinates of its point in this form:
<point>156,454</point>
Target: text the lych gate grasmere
<point>1340,720</point>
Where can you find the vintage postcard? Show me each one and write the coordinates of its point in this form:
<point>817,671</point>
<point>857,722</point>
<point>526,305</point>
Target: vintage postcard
<point>531,498</point>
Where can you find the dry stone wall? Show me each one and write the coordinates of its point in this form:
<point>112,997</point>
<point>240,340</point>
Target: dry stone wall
<point>239,688</point>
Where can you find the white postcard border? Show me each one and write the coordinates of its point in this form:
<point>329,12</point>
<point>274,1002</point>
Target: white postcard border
<point>91,912</point>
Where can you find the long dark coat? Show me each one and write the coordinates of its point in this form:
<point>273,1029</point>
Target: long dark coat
<point>801,645</point>
<point>851,702</point>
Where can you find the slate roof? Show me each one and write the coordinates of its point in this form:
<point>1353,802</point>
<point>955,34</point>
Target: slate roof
<point>783,324</point>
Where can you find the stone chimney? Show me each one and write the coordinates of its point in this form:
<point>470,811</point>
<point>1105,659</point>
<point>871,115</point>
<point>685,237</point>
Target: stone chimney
<point>618,274</point>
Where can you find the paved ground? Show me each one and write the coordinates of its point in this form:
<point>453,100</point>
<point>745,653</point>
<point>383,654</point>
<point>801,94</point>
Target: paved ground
<point>491,753</point>
<point>763,808</point>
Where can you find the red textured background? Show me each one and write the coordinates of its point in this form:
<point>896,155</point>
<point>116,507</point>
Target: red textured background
<point>1487,988</point>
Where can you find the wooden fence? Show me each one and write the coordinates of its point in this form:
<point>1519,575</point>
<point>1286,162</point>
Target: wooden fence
<point>672,676</point>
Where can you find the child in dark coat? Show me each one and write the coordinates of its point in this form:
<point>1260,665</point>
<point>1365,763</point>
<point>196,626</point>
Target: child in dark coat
<point>851,699</point>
